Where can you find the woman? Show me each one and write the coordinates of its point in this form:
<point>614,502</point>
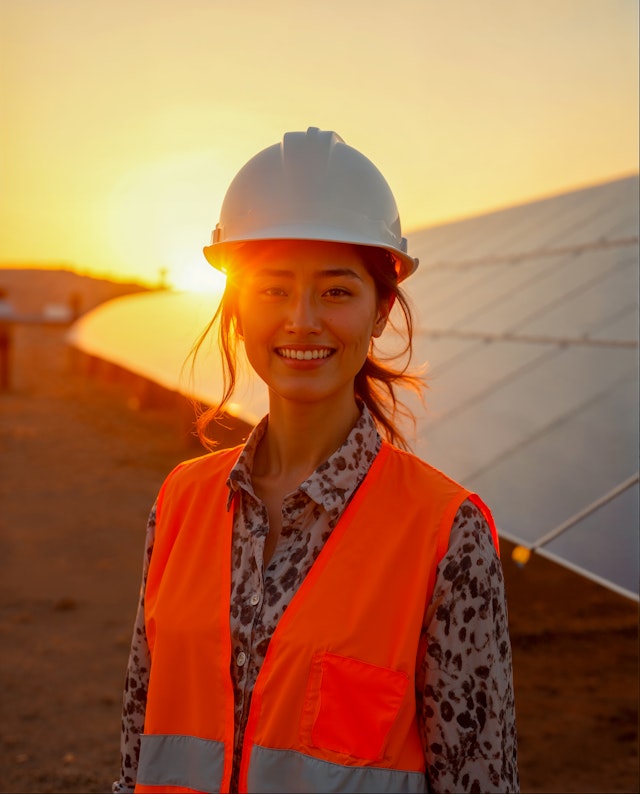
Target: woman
<point>320,610</point>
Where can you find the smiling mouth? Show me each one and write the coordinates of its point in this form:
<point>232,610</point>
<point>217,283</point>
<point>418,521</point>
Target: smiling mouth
<point>304,355</point>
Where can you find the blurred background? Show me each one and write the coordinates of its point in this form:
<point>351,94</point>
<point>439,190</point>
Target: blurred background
<point>508,132</point>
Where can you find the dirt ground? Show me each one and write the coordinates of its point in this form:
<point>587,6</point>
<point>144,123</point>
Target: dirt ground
<point>80,465</point>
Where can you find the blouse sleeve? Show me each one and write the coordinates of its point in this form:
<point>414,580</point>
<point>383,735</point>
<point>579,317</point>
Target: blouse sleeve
<point>134,700</point>
<point>465,685</point>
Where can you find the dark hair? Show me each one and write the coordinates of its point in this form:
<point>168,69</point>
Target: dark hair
<point>375,384</point>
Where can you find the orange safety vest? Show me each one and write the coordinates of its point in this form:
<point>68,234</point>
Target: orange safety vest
<point>333,708</point>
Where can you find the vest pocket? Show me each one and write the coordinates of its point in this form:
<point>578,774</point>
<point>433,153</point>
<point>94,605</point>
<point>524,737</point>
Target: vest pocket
<point>351,705</point>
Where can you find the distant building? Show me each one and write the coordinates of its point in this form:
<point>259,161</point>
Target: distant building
<point>7,316</point>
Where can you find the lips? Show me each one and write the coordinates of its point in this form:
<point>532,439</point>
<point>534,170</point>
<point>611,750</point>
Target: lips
<point>304,355</point>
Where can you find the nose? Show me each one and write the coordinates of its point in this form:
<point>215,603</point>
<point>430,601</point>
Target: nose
<point>302,315</point>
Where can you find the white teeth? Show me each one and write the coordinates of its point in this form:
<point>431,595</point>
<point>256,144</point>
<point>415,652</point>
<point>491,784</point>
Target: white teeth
<point>303,355</point>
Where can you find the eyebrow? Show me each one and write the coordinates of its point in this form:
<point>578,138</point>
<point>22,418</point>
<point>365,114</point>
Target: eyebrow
<point>332,272</point>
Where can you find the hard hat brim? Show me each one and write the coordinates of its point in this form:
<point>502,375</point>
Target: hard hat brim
<point>221,253</point>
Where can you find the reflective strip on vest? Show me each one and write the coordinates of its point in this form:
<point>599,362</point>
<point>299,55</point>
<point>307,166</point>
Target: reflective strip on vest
<point>187,761</point>
<point>277,771</point>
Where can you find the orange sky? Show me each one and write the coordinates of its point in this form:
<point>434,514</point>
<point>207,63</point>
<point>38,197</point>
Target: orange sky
<point>123,121</point>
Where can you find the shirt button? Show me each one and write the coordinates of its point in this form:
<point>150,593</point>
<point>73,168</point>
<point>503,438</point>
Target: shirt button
<point>254,599</point>
<point>241,658</point>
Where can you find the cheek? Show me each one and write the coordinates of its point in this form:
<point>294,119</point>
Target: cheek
<point>249,319</point>
<point>359,339</point>
<point>253,341</point>
<point>255,350</point>
<point>257,334</point>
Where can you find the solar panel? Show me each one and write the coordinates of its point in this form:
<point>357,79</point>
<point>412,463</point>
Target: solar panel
<point>529,320</point>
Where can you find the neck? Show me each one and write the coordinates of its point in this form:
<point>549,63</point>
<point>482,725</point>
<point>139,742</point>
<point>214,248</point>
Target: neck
<point>301,437</point>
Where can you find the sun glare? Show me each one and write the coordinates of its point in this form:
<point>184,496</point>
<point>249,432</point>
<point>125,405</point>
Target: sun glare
<point>195,277</point>
<point>159,215</point>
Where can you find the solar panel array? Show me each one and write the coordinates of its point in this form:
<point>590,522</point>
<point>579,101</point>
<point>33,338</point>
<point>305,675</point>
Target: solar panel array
<point>528,318</point>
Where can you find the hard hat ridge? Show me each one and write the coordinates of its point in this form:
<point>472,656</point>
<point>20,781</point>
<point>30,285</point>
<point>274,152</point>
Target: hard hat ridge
<point>306,155</point>
<point>310,186</point>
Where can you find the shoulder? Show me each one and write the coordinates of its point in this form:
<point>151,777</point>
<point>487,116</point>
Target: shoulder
<point>412,475</point>
<point>193,486</point>
<point>409,465</point>
<point>202,470</point>
<point>220,460</point>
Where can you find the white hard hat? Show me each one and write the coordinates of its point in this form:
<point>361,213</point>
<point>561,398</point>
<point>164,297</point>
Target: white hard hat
<point>312,186</point>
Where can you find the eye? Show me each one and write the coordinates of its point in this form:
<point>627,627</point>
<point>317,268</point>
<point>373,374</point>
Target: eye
<point>272,292</point>
<point>337,292</point>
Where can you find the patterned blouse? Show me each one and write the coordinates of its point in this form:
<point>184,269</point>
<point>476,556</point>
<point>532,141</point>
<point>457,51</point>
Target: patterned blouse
<point>464,689</point>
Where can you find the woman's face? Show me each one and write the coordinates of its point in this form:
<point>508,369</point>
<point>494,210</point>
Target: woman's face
<point>307,312</point>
